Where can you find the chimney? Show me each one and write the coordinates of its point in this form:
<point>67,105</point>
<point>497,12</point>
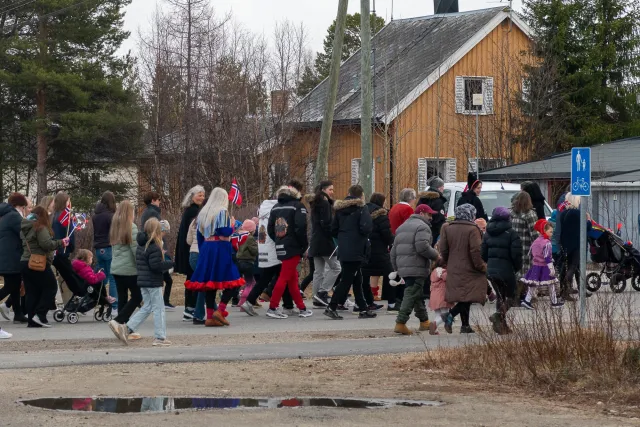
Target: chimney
<point>445,6</point>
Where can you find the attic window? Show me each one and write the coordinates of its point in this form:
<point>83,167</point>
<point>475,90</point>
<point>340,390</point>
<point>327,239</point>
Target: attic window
<point>466,87</point>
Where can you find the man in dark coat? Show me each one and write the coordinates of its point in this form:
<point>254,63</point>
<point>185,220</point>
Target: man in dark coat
<point>322,247</point>
<point>470,196</point>
<point>435,199</point>
<point>11,215</point>
<point>502,251</point>
<point>352,226</point>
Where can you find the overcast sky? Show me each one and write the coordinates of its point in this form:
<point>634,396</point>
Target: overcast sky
<point>261,15</point>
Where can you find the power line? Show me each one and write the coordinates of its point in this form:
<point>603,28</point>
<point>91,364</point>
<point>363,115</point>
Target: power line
<point>16,5</point>
<point>56,12</point>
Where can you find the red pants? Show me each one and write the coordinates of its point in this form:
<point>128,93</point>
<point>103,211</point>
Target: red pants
<point>288,278</point>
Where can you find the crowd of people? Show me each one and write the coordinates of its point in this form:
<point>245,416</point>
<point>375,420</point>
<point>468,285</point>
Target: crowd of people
<point>406,255</point>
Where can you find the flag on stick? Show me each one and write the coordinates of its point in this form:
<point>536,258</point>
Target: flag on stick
<point>65,216</point>
<point>234,194</point>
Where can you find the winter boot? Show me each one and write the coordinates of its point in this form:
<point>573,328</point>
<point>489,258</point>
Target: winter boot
<point>217,315</point>
<point>424,326</point>
<point>213,323</point>
<point>401,328</point>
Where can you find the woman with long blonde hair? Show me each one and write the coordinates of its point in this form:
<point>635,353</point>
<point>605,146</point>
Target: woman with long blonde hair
<point>122,237</point>
<point>215,269</point>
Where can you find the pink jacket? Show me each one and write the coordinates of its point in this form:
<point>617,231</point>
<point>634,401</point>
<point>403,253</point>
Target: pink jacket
<point>438,287</point>
<point>85,272</point>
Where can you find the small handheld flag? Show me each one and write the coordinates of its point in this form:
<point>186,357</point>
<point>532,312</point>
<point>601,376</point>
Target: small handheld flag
<point>234,194</point>
<point>65,216</point>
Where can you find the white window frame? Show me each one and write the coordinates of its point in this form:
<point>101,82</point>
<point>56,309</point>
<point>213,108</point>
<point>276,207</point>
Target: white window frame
<point>473,163</point>
<point>487,94</point>
<point>448,170</point>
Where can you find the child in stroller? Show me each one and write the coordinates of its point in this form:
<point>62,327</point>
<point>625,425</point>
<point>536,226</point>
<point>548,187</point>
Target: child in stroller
<point>620,260</point>
<point>96,293</point>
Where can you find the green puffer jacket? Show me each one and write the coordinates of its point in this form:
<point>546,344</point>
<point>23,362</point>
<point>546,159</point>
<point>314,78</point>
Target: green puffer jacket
<point>40,242</point>
<point>248,251</point>
<point>123,261</point>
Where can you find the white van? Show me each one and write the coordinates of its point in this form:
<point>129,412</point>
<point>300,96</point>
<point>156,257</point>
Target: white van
<point>493,194</point>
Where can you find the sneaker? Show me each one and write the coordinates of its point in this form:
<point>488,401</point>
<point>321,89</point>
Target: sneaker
<point>32,324</point>
<point>375,307</point>
<point>161,343</point>
<point>248,308</point>
<point>169,307</point>
<point>349,304</point>
<point>17,320</point>
<point>492,297</point>
<point>332,314</point>
<point>42,321</point>
<point>291,311</point>
<point>466,330</point>
<point>5,311</point>
<point>305,313</point>
<point>342,308</point>
<point>321,300</point>
<point>526,305</point>
<point>276,314</point>
<point>393,310</point>
<point>114,313</point>
<point>558,304</point>
<point>134,336</point>
<point>367,314</point>
<point>187,315</point>
<point>197,321</point>
<point>318,304</point>
<point>120,331</point>
<point>4,335</point>
<point>447,318</point>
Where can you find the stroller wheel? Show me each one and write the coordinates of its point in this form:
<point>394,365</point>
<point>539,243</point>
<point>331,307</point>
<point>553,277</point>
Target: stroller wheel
<point>635,282</point>
<point>58,315</point>
<point>594,282</point>
<point>618,283</point>
<point>106,318</point>
<point>72,318</point>
<point>97,316</point>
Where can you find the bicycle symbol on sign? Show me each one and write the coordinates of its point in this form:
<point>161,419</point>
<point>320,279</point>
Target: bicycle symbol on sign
<point>581,184</point>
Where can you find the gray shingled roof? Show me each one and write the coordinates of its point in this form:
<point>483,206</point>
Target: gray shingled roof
<point>407,51</point>
<point>615,161</point>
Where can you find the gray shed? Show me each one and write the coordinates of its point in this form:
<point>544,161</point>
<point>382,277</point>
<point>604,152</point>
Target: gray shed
<point>615,185</point>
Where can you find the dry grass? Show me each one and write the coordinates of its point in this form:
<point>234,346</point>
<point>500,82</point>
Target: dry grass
<point>554,355</point>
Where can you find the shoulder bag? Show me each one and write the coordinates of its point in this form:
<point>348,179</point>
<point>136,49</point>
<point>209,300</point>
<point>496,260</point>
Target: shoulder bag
<point>36,262</point>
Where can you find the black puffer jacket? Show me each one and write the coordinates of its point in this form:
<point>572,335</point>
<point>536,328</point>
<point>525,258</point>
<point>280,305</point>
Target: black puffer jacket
<point>352,226</point>
<point>150,263</point>
<point>471,198</point>
<point>436,201</point>
<point>10,241</point>
<point>381,239</point>
<point>152,211</point>
<point>101,220</point>
<point>287,225</point>
<point>321,216</point>
<point>502,251</point>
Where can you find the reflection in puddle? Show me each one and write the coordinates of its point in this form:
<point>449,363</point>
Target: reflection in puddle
<point>123,405</point>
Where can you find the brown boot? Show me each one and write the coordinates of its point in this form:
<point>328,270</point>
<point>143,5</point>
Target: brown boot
<point>212,323</point>
<point>424,326</point>
<point>220,318</point>
<point>401,328</point>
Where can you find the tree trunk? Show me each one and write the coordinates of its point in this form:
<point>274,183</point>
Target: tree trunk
<point>366,161</point>
<point>322,165</point>
<point>41,165</point>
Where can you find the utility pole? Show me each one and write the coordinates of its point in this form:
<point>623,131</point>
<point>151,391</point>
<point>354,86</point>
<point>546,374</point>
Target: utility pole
<point>366,161</point>
<point>322,164</point>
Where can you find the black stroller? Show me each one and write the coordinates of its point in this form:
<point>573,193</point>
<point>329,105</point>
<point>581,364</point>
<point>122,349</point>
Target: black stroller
<point>620,261</point>
<point>95,297</point>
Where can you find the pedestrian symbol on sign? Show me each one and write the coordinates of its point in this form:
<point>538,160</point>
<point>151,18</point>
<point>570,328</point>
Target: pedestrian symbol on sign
<point>581,171</point>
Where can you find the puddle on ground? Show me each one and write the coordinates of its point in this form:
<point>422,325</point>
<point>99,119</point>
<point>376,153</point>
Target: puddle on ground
<point>123,405</point>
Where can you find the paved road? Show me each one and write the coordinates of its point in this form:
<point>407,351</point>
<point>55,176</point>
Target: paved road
<point>372,342</point>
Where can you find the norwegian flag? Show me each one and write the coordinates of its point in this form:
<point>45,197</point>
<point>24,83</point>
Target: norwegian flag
<point>65,216</point>
<point>234,194</point>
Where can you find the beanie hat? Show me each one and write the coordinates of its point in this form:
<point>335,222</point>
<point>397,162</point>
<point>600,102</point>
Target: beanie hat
<point>249,226</point>
<point>501,213</point>
<point>539,226</point>
<point>435,182</point>
<point>164,226</point>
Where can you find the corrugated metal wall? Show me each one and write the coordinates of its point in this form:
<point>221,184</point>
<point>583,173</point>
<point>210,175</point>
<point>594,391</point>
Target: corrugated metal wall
<point>618,205</point>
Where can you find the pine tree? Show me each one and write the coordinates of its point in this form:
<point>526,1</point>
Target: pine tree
<point>307,82</point>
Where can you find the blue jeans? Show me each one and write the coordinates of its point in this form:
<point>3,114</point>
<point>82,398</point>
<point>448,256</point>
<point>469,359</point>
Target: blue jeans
<point>103,257</point>
<point>199,313</point>
<point>153,303</point>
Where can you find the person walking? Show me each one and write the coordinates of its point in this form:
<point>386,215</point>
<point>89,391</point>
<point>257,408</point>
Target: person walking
<point>215,269</point>
<point>523,221</point>
<point>470,196</point>
<point>39,281</point>
<point>502,251</point>
<point>191,204</point>
<point>434,198</point>
<point>352,226</point>
<point>402,210</point>
<point>411,257</point>
<point>123,238</point>
<point>11,216</point>
<point>379,262</point>
<point>322,247</point>
<point>151,264</point>
<point>61,226</point>
<point>101,220</point>
<point>570,244</point>
<point>461,250</point>
<point>287,227</point>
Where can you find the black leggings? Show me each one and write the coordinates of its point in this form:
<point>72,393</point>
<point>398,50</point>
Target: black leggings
<point>40,288</point>
<point>267,275</point>
<point>168,283</point>
<point>572,270</point>
<point>463,309</point>
<point>126,306</point>
<point>12,287</point>
<point>351,276</point>
<point>307,280</point>
<point>63,266</point>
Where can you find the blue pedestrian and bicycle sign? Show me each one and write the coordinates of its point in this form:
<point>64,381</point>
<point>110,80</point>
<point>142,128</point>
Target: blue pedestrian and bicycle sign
<point>581,171</point>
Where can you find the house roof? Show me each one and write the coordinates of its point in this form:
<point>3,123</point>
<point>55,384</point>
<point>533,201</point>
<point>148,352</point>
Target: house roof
<point>615,161</point>
<point>409,55</point>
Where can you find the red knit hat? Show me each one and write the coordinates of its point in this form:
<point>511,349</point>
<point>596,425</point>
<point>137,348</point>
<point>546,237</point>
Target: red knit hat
<point>539,226</point>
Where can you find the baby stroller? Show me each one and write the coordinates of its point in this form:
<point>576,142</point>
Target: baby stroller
<point>95,297</point>
<point>620,260</point>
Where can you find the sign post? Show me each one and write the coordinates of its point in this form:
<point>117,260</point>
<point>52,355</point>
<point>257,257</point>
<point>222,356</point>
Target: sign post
<point>581,186</point>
